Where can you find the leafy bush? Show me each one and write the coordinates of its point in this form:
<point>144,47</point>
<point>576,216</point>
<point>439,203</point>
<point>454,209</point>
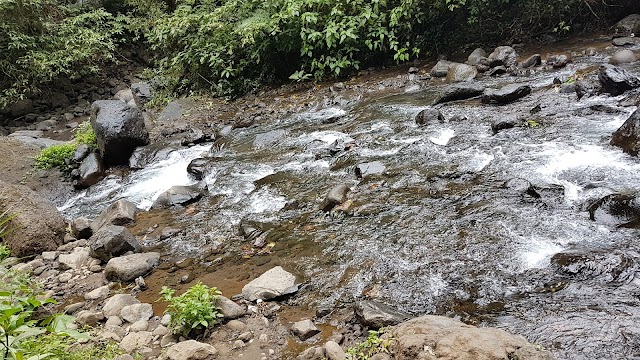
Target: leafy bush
<point>373,345</point>
<point>84,135</point>
<point>56,156</point>
<point>192,312</point>
<point>4,253</point>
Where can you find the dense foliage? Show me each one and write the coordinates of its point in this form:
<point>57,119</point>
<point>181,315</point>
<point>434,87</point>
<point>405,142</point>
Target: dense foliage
<point>59,156</point>
<point>192,312</point>
<point>229,47</point>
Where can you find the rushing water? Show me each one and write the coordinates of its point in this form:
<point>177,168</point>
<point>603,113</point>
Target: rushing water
<point>448,227</point>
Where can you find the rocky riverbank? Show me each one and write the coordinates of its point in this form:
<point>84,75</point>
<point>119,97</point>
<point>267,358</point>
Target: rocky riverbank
<point>107,270</point>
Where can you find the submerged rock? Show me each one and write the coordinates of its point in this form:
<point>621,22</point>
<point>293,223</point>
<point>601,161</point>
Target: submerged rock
<point>39,226</point>
<point>375,315</point>
<point>506,94</point>
<point>438,337</point>
<point>129,267</point>
<point>429,116</point>
<point>119,129</point>
<point>178,195</point>
<point>627,136</point>
<point>616,210</point>
<point>272,284</point>
<point>615,80</point>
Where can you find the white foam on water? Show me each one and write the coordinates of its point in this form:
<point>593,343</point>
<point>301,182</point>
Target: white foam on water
<point>324,114</point>
<point>539,253</point>
<point>478,162</point>
<point>443,137</point>
<point>327,137</point>
<point>263,200</point>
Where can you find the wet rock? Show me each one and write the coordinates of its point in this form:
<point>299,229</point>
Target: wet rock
<point>136,341</point>
<point>136,312</point>
<point>616,210</point>
<point>121,212</point>
<point>119,129</point>
<point>435,337</point>
<point>461,72</point>
<point>429,116</point>
<point>313,353</point>
<point>78,258</point>
<point>191,350</point>
<point>503,56</point>
<point>498,70</point>
<point>178,195</point>
<point>127,268</point>
<point>375,315</point>
<point>41,227</point>
<point>81,228</point>
<point>441,68</point>
<point>264,140</point>
<point>364,170</point>
<point>558,61</point>
<point>506,94</point>
<point>628,26</point>
<point>91,171</point>
<point>229,309</point>
<point>198,168</point>
<point>145,155</point>
<point>81,152</point>
<point>98,294</point>
<point>610,266</point>
<point>334,351</point>
<point>623,57</point>
<point>459,92</point>
<point>475,56</point>
<point>533,60</point>
<point>336,196</point>
<point>624,41</point>
<point>627,136</point>
<point>141,92</point>
<point>272,284</point>
<point>194,136</point>
<point>111,241</point>
<point>114,305</point>
<point>615,80</point>
<point>304,329</point>
<point>587,88</point>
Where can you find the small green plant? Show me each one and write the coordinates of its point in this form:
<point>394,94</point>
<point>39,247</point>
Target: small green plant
<point>192,312</point>
<point>4,252</point>
<point>53,346</point>
<point>562,28</point>
<point>373,345</point>
<point>56,156</point>
<point>84,135</point>
<point>532,123</point>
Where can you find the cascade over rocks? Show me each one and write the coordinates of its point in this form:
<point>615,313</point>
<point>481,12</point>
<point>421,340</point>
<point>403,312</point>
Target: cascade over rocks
<point>627,136</point>
<point>615,80</point>
<point>438,337</point>
<point>41,227</point>
<point>119,129</point>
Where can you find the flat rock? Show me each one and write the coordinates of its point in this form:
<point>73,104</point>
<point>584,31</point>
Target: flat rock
<point>191,350</point>
<point>304,329</point>
<point>98,294</point>
<point>506,94</point>
<point>128,267</point>
<point>136,312</point>
<point>375,315</point>
<point>179,195</point>
<point>272,284</point>
<point>78,258</point>
<point>458,92</point>
<point>364,170</point>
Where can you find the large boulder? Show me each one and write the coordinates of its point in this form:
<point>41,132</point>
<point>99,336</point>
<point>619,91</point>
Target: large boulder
<point>111,241</point>
<point>461,72</point>
<point>627,136</point>
<point>37,225</point>
<point>91,171</point>
<point>129,267</point>
<point>121,212</point>
<point>461,91</point>
<point>615,80</point>
<point>628,26</point>
<point>623,57</point>
<point>191,350</point>
<point>506,94</point>
<point>178,195</point>
<point>476,56</point>
<point>503,56</point>
<point>272,284</point>
<point>441,68</point>
<point>438,337</point>
<point>119,129</point>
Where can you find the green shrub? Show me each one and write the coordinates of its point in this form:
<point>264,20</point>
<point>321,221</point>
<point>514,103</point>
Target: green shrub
<point>84,135</point>
<point>56,156</point>
<point>4,252</point>
<point>373,345</point>
<point>192,312</point>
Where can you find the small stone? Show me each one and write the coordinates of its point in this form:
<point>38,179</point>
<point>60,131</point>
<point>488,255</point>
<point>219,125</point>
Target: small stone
<point>229,309</point>
<point>78,258</point>
<point>70,309</point>
<point>124,357</point>
<point>113,321</point>
<point>65,277</point>
<point>89,318</point>
<point>95,268</point>
<point>136,312</point>
<point>49,255</point>
<point>246,336</point>
<point>238,344</point>
<point>304,329</point>
<point>140,325</point>
<point>166,320</point>
<point>160,331</point>
<point>236,325</point>
<point>263,338</point>
<point>98,294</point>
<point>273,283</point>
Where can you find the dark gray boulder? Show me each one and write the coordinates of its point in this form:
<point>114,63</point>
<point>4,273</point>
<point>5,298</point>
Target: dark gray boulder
<point>91,171</point>
<point>627,136</point>
<point>121,212</point>
<point>507,122</point>
<point>558,61</point>
<point>178,195</point>
<point>375,315</point>
<point>506,94</point>
<point>460,91</point>
<point>616,210</point>
<point>119,129</point>
<point>81,152</point>
<point>111,241</point>
<point>429,116</point>
<point>533,60</point>
<point>336,196</point>
<point>628,26</point>
<point>615,80</point>
<point>198,168</point>
<point>503,55</point>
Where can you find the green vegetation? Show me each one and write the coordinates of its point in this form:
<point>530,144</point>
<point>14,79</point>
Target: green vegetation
<point>52,346</point>
<point>4,252</point>
<point>373,345</point>
<point>229,47</point>
<point>59,156</point>
<point>193,312</point>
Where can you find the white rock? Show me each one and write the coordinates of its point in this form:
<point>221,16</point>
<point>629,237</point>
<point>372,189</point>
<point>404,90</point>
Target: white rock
<point>136,312</point>
<point>98,294</point>
<point>273,283</point>
<point>191,350</point>
<point>136,341</point>
<point>114,305</point>
<point>140,325</point>
<point>77,259</point>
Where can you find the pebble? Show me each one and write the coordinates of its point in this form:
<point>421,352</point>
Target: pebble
<point>238,344</point>
<point>65,277</point>
<point>236,325</point>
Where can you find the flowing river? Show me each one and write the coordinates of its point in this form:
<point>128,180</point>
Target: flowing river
<point>454,220</point>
